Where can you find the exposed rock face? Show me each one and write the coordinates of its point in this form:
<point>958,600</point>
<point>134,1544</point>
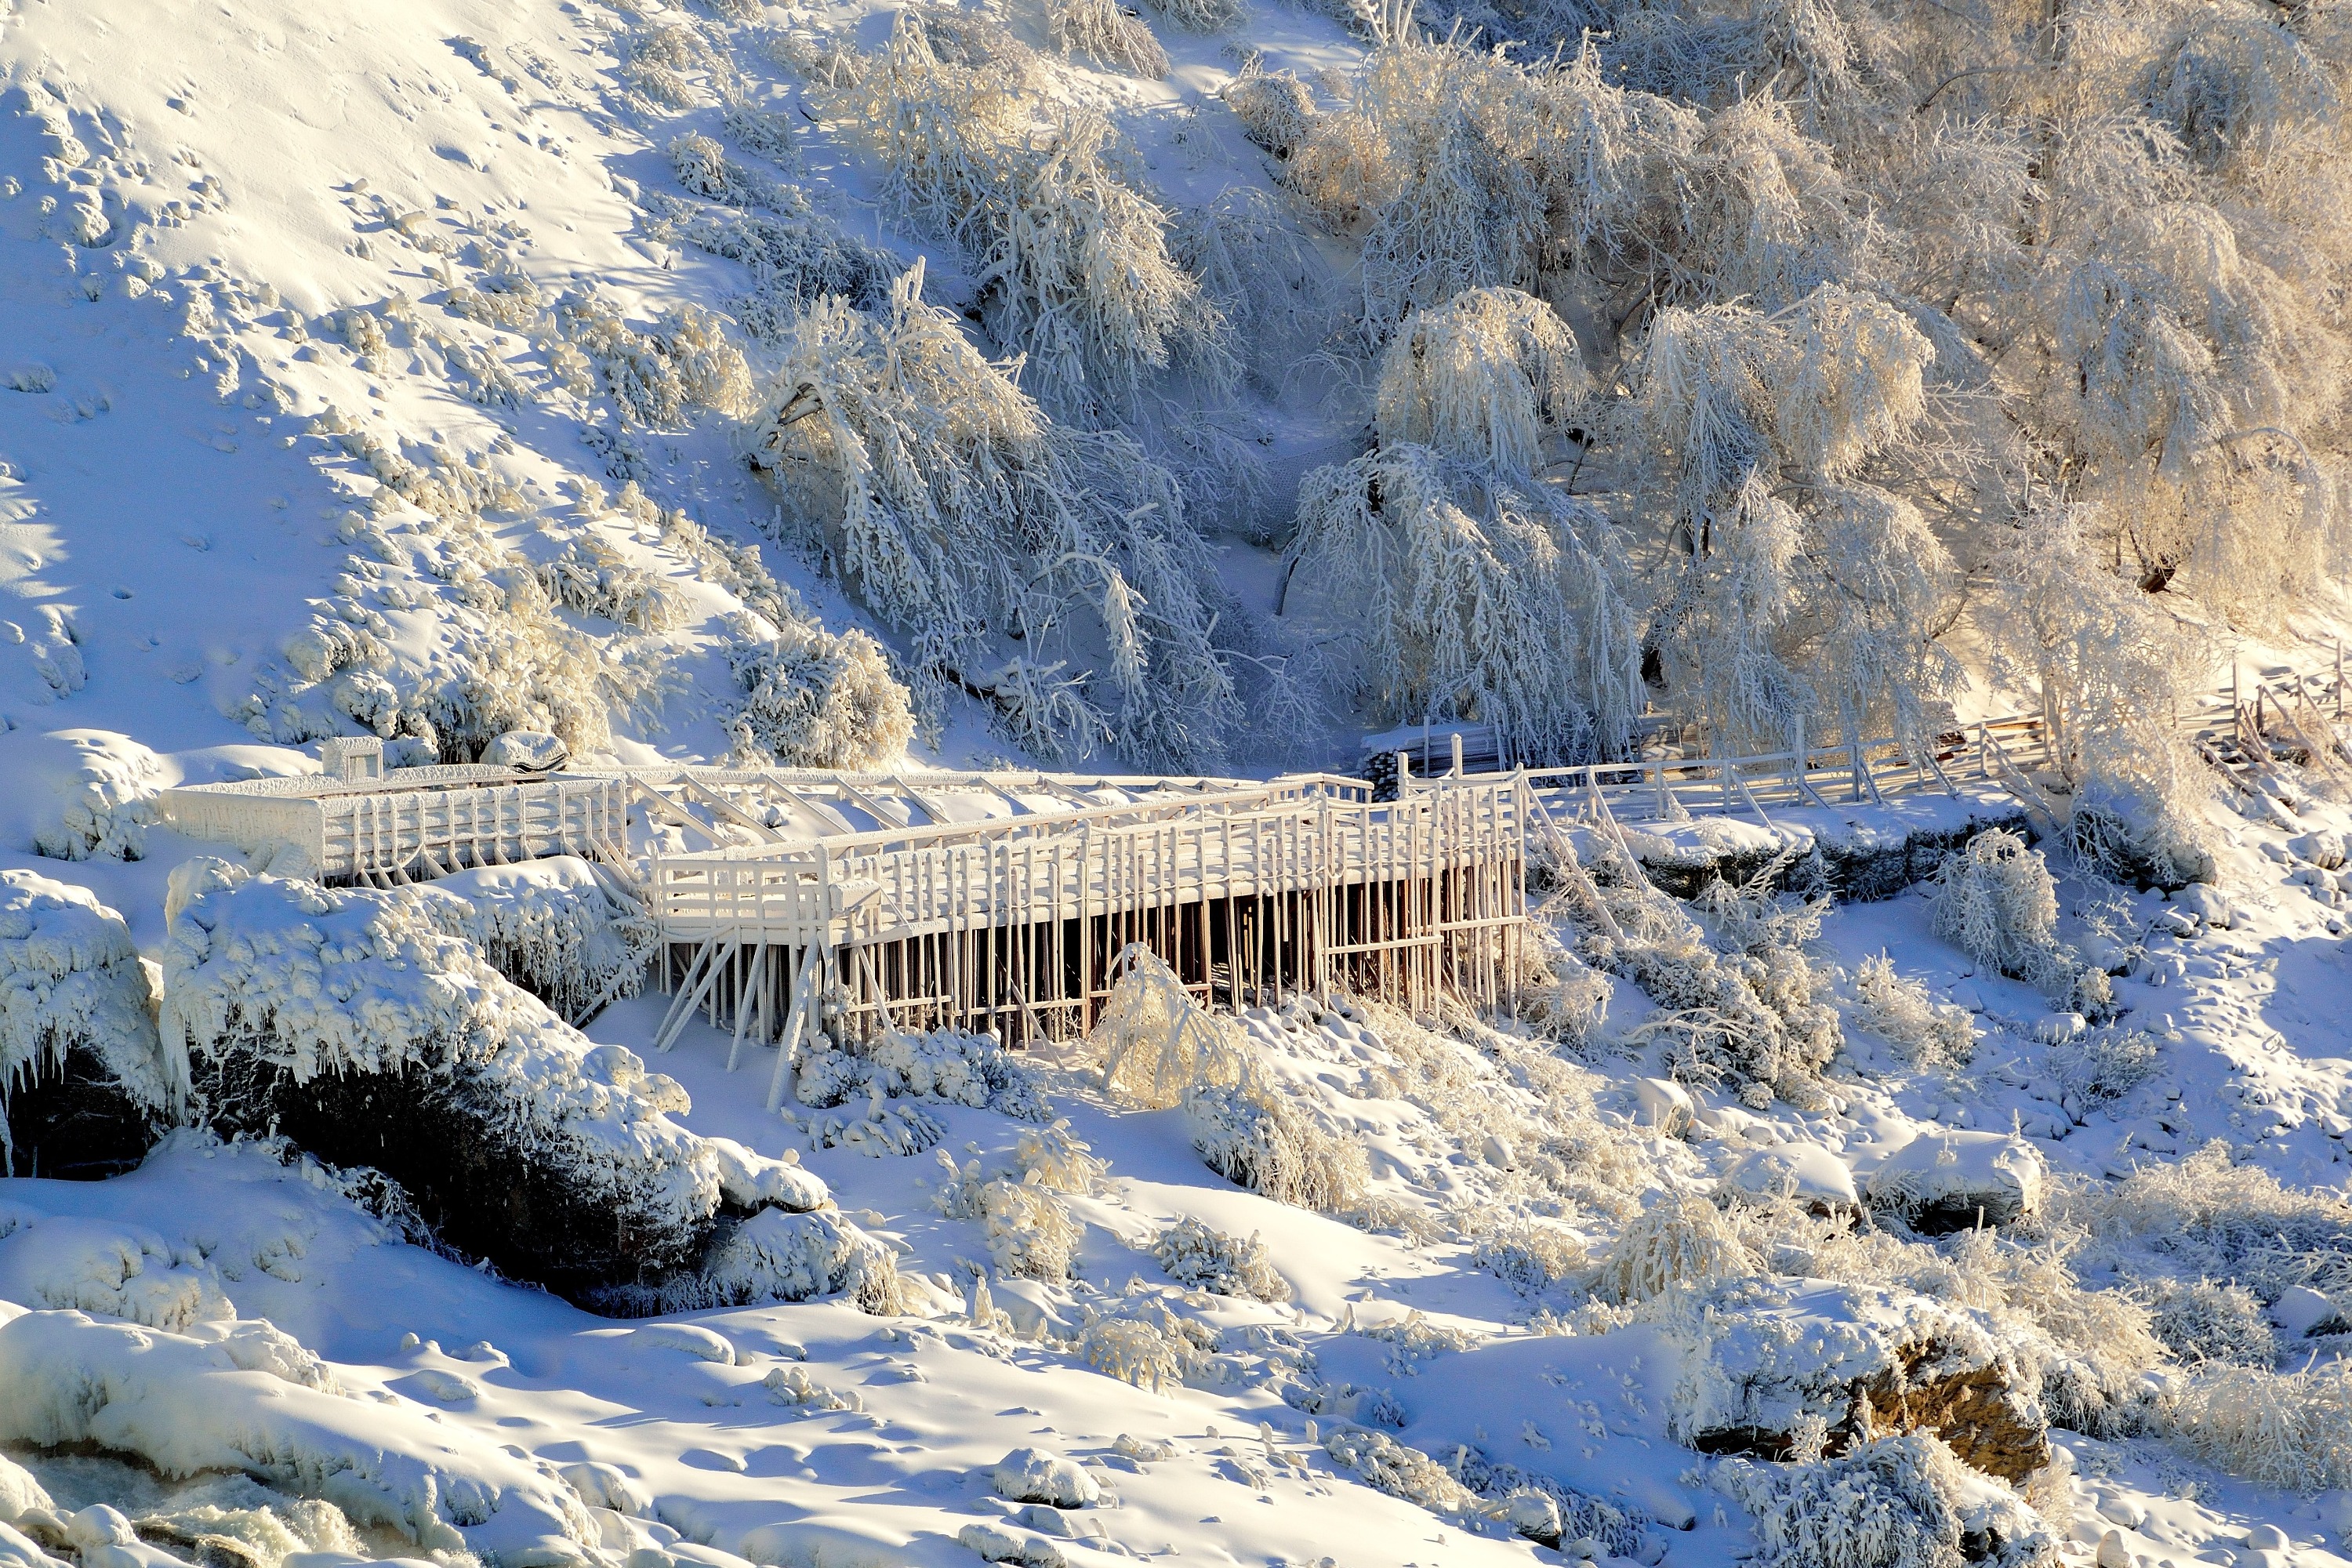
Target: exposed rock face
<point>1763,1357</point>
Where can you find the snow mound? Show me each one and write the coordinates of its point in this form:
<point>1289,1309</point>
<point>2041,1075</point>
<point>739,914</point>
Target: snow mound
<point>348,1021</point>
<point>1802,1170</point>
<point>115,1271</point>
<point>752,1181</point>
<point>1033,1475</point>
<point>81,1070</point>
<point>82,794</point>
<point>183,1405</point>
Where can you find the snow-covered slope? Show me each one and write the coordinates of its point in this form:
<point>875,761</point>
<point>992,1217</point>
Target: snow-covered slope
<point>402,368</point>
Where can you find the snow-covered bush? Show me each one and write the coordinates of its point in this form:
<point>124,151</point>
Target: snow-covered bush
<point>352,1023</point>
<point>1681,1239</point>
<point>1382,1463</point>
<point>1742,1001</point>
<point>1157,1043</point>
<point>1484,378</point>
<point>595,579</point>
<point>2105,1064</point>
<point>1996,900</point>
<point>704,168</point>
<point>82,1077</point>
<point>1080,279</point>
<point>1136,1350</point>
<point>776,1255</point>
<point>1899,1010</point>
<point>1276,108</point>
<point>1201,16</point>
<point>1532,1257</point>
<point>1895,1502</point>
<point>796,255</point>
<point>2202,1321</point>
<point>964,516</point>
<point>658,378</point>
<point>943,1065</point>
<point>1475,594</point>
<point>2234,1224</point>
<point>1029,1230</point>
<point>550,926</point>
<point>1104,31</point>
<point>1262,1141</point>
<point>2291,1430</point>
<point>792,1385</point>
<point>816,699</point>
<point>243,1397</point>
<point>1193,1253</point>
<point>1058,1158</point>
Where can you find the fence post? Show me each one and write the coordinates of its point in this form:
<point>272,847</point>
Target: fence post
<point>1457,753</point>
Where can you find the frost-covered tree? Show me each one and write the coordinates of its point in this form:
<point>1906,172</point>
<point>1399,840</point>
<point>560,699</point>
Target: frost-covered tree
<point>1051,569</point>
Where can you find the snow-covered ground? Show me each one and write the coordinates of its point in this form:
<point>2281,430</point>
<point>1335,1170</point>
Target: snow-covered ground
<point>353,377</point>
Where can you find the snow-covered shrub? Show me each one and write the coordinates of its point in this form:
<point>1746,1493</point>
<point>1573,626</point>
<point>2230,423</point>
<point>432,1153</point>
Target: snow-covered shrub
<point>1276,108</point>
<point>1532,1257</point>
<point>2105,1064</point>
<point>704,168</point>
<point>792,1385</point>
<point>1895,1502</point>
<point>1476,593</point>
<point>1080,276</point>
<point>1272,286</point>
<point>1382,1463</point>
<point>816,699</point>
<point>1350,1402</point>
<point>82,794</point>
<point>1682,1239</point>
<point>943,1065</point>
<point>1136,1350</point>
<point>1193,1253</point>
<point>2234,1224</point>
<point>1265,1143</point>
<point>549,926</point>
<point>963,514</point>
<point>1996,900</point>
<point>1058,1158</point>
<point>1899,1010</point>
<point>1201,16</point>
<point>1029,1230</point>
<point>1572,1515</point>
<point>352,1023</point>
<point>595,579</point>
<point>242,1397</point>
<point>1157,1043</point>
<point>1105,32</point>
<point>796,255</point>
<point>885,1130</point>
<point>776,1256</point>
<point>2202,1321</point>
<point>657,378</point>
<point>2291,1430</point>
<point>82,1077</point>
<point>1484,378</point>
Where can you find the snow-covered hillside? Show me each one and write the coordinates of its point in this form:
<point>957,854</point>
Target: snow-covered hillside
<point>1189,389</point>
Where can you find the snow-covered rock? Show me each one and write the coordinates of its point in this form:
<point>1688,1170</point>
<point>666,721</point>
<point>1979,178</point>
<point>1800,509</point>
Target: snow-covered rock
<point>83,1079</point>
<point>18,1491</point>
<point>752,1181</point>
<point>777,1256</point>
<point>184,1406</point>
<point>1035,1475</point>
<point>2206,904</point>
<point>1803,1169</point>
<point>1762,1356</point>
<point>532,751</point>
<point>81,795</point>
<point>1944,1181</point>
<point>1664,1104</point>
<point>348,1021</point>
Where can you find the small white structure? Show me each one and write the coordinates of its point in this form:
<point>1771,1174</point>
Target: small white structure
<point>355,821</point>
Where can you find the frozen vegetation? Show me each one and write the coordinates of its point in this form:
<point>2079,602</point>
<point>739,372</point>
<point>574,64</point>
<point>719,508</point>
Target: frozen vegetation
<point>1194,387</point>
